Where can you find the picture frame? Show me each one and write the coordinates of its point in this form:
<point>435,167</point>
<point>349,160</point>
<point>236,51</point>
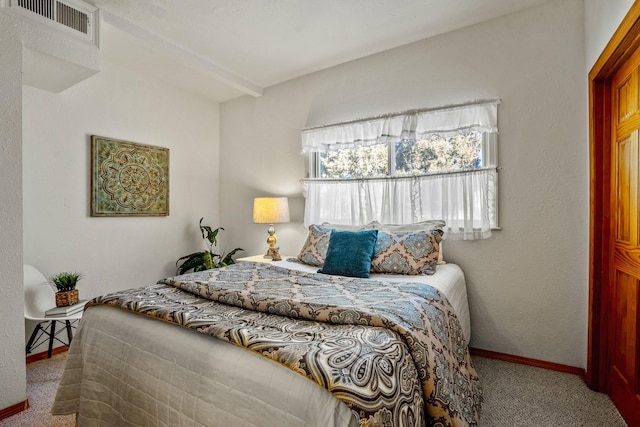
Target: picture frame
<point>128,178</point>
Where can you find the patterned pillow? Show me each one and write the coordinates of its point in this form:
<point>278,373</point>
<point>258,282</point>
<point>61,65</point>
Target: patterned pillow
<point>410,253</point>
<point>431,224</point>
<point>314,250</point>
<point>346,227</point>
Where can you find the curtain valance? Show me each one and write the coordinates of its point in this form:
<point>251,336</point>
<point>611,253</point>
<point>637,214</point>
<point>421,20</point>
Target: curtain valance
<point>480,116</point>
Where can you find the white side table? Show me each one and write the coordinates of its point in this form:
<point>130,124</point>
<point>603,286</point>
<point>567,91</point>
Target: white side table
<point>259,258</point>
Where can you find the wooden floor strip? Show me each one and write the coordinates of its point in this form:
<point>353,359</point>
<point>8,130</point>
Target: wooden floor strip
<point>527,361</point>
<point>14,409</point>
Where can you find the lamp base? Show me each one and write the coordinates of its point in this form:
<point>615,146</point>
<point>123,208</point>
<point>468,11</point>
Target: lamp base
<point>271,241</point>
<point>273,254</point>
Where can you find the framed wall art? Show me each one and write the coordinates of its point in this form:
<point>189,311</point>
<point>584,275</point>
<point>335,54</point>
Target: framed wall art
<point>128,179</point>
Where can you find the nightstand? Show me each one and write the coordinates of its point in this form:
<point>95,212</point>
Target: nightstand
<point>261,258</point>
<point>255,258</point>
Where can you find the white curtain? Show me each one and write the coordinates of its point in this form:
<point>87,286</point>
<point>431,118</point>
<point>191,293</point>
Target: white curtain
<point>462,199</point>
<point>415,124</point>
<point>466,200</point>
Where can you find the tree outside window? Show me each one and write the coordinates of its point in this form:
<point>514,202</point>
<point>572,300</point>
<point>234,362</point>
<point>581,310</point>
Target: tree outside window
<point>434,153</point>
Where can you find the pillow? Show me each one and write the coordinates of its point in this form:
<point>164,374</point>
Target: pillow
<point>410,253</point>
<point>433,224</point>
<point>349,253</point>
<point>345,227</point>
<point>315,247</point>
<point>440,256</point>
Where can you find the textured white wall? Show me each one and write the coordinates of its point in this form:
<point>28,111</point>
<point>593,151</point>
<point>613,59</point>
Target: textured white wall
<point>602,18</point>
<point>20,40</point>
<point>12,366</point>
<point>114,253</point>
<point>528,284</point>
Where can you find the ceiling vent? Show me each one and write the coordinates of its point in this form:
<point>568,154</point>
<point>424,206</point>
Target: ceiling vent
<point>75,17</point>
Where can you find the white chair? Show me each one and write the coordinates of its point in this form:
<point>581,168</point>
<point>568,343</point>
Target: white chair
<point>38,298</point>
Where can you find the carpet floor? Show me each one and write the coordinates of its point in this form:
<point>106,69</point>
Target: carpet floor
<point>43,377</point>
<point>514,396</point>
<point>526,396</point>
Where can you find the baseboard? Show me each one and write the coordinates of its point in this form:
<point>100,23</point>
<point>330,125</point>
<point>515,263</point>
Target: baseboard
<point>43,355</point>
<point>527,361</point>
<point>24,405</point>
<point>14,409</point>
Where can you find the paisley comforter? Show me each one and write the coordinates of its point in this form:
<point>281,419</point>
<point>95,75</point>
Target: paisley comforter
<point>393,352</point>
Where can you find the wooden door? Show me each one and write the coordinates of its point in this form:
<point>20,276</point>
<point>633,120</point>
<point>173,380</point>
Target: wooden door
<point>623,291</point>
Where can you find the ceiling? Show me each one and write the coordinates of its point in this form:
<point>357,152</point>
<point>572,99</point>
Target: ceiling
<point>223,49</point>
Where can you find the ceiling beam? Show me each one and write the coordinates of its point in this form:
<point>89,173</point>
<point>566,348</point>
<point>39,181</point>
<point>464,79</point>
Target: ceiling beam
<point>185,56</point>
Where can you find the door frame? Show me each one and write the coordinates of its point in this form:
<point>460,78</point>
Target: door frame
<point>624,42</point>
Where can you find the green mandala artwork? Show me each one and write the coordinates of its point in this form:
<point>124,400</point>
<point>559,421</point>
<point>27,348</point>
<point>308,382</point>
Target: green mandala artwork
<point>128,179</point>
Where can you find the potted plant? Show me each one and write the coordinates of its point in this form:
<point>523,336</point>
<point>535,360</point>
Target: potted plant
<point>65,285</point>
<point>207,259</point>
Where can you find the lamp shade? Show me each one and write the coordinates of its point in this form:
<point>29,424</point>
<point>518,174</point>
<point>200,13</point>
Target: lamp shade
<point>270,210</point>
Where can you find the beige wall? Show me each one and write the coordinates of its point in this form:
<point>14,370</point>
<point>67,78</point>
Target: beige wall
<point>528,284</point>
<point>12,368</point>
<point>21,40</point>
<point>602,18</point>
<point>45,218</point>
<point>114,253</point>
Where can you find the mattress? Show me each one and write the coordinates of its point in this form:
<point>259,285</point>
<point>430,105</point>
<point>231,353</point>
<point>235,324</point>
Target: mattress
<point>126,369</point>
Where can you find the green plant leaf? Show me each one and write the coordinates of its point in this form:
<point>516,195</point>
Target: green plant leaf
<point>191,262</point>
<point>205,260</point>
<point>228,260</point>
<point>208,260</point>
<point>66,281</point>
<point>189,256</point>
<point>204,229</point>
<point>209,233</point>
<point>213,235</point>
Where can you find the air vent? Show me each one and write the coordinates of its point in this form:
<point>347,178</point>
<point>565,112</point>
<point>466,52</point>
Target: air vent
<point>41,7</point>
<point>74,16</point>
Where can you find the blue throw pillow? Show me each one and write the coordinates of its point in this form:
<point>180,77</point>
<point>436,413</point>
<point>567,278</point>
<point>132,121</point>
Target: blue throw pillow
<point>349,253</point>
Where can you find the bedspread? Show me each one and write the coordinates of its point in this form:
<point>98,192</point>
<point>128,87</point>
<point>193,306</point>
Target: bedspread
<point>393,352</point>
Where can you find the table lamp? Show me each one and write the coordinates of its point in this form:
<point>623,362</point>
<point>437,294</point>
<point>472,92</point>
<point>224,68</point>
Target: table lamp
<point>271,210</point>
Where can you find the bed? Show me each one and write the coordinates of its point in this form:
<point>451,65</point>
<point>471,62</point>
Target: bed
<point>275,344</point>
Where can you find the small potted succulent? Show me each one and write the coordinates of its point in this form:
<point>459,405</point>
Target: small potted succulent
<point>65,286</point>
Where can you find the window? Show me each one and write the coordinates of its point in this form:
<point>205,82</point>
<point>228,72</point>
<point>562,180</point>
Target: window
<point>406,157</point>
<point>353,162</point>
<point>407,167</point>
<point>438,154</point>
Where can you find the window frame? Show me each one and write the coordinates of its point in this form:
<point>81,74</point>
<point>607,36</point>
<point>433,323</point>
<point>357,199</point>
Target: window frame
<point>418,124</point>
